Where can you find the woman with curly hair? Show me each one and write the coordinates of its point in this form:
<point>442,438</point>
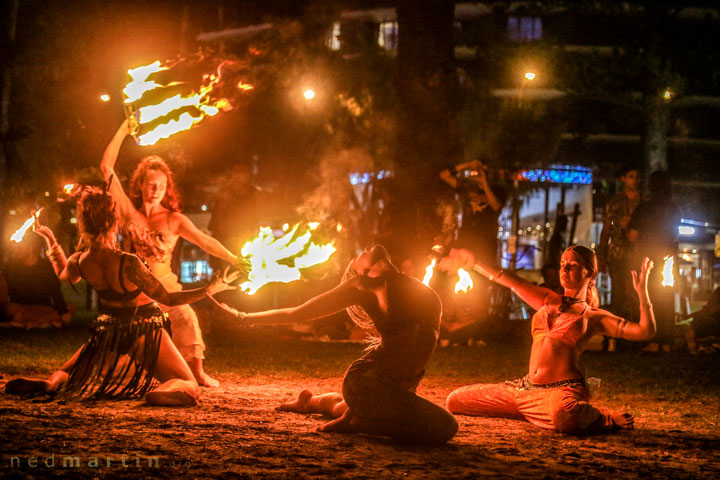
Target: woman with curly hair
<point>129,349</point>
<point>553,394</point>
<point>151,226</point>
<point>378,393</point>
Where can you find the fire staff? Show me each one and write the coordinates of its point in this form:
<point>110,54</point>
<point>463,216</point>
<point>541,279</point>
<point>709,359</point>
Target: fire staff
<point>554,395</point>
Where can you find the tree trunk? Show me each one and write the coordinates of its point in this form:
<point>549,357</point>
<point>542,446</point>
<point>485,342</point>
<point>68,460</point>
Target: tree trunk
<point>427,131</point>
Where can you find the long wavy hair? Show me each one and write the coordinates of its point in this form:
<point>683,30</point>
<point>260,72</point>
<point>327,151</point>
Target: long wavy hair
<point>357,313</point>
<point>588,259</point>
<point>171,200</point>
<point>97,218</point>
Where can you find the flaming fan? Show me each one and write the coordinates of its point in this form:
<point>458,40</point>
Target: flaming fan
<point>164,99</point>
<point>281,259</point>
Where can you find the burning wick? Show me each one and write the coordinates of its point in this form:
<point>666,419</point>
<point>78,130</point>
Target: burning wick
<point>429,270</point>
<point>667,273</point>
<point>465,283</point>
<point>20,232</point>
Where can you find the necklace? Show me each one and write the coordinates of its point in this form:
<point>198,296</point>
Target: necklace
<point>568,302</point>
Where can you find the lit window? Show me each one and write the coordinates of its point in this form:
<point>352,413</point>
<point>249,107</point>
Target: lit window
<point>333,39</point>
<point>194,271</point>
<point>524,29</point>
<point>388,35</point>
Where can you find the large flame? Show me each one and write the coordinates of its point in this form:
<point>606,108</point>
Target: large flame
<point>20,232</point>
<point>198,102</point>
<point>281,259</point>
<point>464,283</point>
<point>429,271</point>
<point>668,280</point>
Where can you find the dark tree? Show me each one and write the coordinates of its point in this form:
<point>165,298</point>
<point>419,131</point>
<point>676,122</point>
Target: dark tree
<point>427,138</point>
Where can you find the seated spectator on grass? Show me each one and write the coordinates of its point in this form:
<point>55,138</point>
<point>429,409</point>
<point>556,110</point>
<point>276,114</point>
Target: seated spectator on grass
<point>30,295</point>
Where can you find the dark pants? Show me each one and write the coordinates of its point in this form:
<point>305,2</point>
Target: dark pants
<point>388,406</point>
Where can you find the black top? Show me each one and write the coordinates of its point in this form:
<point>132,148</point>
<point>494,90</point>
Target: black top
<point>109,294</point>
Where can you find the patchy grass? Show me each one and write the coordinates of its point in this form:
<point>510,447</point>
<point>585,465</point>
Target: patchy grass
<point>235,432</point>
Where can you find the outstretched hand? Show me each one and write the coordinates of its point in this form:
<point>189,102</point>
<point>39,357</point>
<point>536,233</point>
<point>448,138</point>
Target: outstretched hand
<point>226,307</point>
<point>43,230</point>
<point>457,258</point>
<point>640,279</point>
<point>222,280</point>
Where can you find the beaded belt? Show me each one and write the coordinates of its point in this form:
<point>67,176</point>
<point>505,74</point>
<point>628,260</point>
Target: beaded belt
<point>525,384</point>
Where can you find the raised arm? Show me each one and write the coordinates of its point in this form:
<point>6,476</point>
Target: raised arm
<point>56,255</point>
<point>107,166</point>
<point>482,180</point>
<point>350,292</point>
<point>188,231</point>
<point>136,272</point>
<point>646,328</point>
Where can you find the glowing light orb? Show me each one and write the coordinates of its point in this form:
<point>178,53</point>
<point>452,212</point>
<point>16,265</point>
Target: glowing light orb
<point>309,94</point>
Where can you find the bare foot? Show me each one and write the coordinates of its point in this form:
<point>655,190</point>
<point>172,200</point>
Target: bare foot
<point>300,405</point>
<point>27,386</point>
<point>177,398</point>
<point>202,378</point>
<point>174,393</point>
<point>624,421</point>
<point>345,424</point>
<point>205,380</point>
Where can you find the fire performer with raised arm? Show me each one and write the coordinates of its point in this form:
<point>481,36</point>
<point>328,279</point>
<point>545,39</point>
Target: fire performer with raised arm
<point>378,394</point>
<point>151,225</point>
<point>129,349</point>
<point>554,395</point>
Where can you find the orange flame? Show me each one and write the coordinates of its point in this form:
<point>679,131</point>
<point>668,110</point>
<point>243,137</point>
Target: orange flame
<point>429,271</point>
<point>464,283</point>
<point>296,252</point>
<point>20,232</point>
<point>68,188</point>
<point>200,100</point>
<point>668,279</point>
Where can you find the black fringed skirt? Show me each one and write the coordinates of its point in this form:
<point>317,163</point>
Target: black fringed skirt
<point>119,359</point>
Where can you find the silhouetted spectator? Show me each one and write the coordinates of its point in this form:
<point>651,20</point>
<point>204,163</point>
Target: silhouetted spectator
<point>30,294</point>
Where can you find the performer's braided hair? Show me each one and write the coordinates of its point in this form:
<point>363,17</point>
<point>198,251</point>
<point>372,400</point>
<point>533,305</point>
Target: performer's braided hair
<point>357,313</point>
<point>97,217</point>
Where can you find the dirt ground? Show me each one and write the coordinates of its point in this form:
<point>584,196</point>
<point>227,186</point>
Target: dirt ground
<point>236,433</point>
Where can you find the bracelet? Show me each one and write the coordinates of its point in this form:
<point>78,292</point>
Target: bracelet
<point>54,251</point>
